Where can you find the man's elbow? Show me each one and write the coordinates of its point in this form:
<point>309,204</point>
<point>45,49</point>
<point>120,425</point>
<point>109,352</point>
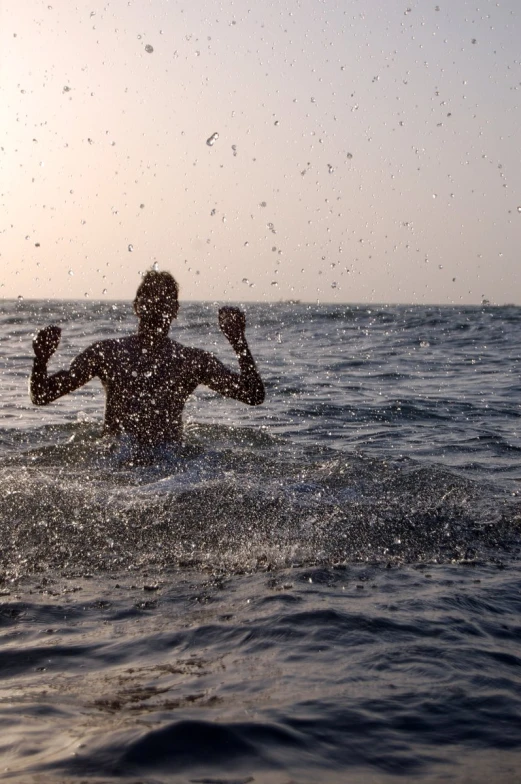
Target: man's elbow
<point>38,397</point>
<point>257,397</point>
<point>38,400</point>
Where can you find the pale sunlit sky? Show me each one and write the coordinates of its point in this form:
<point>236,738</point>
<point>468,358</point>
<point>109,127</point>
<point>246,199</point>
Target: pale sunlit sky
<point>363,151</point>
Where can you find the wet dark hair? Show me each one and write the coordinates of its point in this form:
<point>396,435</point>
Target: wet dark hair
<point>156,289</point>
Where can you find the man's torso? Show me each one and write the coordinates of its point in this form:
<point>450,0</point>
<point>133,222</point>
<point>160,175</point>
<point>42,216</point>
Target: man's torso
<point>146,386</point>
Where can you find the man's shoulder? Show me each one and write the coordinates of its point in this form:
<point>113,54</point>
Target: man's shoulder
<point>190,353</point>
<point>108,343</point>
<point>109,346</point>
<point>196,362</point>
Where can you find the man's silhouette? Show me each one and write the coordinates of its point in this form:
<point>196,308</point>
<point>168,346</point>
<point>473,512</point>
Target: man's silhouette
<point>148,377</point>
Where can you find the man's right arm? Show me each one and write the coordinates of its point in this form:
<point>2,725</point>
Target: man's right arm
<point>44,388</point>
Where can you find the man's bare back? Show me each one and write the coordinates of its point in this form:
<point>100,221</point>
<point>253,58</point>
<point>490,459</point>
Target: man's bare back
<point>148,377</point>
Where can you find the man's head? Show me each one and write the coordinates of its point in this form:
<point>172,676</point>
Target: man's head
<point>156,303</point>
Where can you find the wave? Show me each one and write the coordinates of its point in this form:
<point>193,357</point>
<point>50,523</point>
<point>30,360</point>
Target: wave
<point>235,499</point>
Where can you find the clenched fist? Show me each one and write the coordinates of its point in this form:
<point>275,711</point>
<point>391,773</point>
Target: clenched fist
<point>46,342</point>
<point>232,323</point>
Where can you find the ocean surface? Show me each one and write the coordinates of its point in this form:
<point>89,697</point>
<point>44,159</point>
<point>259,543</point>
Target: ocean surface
<point>325,588</point>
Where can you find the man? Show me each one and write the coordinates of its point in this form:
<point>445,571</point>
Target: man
<point>148,377</point>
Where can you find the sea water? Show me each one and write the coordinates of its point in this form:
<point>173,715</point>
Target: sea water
<point>325,588</point>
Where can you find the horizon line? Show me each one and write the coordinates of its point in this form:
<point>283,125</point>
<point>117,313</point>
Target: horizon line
<point>290,301</point>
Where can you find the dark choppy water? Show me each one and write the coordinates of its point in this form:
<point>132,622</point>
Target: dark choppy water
<point>325,588</point>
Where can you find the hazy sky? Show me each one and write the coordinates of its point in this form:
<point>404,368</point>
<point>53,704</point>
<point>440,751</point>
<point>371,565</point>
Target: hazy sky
<point>364,150</point>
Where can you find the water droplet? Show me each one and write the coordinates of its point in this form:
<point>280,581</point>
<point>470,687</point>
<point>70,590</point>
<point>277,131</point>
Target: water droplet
<point>149,49</point>
<point>71,273</point>
<point>519,209</point>
<point>104,291</point>
<point>334,285</point>
<point>155,266</point>
<point>276,122</point>
<point>349,155</point>
<point>440,266</point>
<point>20,298</point>
<point>130,248</point>
<point>66,89</point>
<point>434,195</point>
<point>246,244</point>
<point>212,139</point>
<point>245,280</point>
<point>330,168</point>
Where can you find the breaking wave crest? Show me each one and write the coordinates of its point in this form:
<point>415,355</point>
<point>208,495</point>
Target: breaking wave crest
<point>237,500</point>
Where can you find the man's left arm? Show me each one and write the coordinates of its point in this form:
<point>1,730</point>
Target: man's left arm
<point>247,385</point>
